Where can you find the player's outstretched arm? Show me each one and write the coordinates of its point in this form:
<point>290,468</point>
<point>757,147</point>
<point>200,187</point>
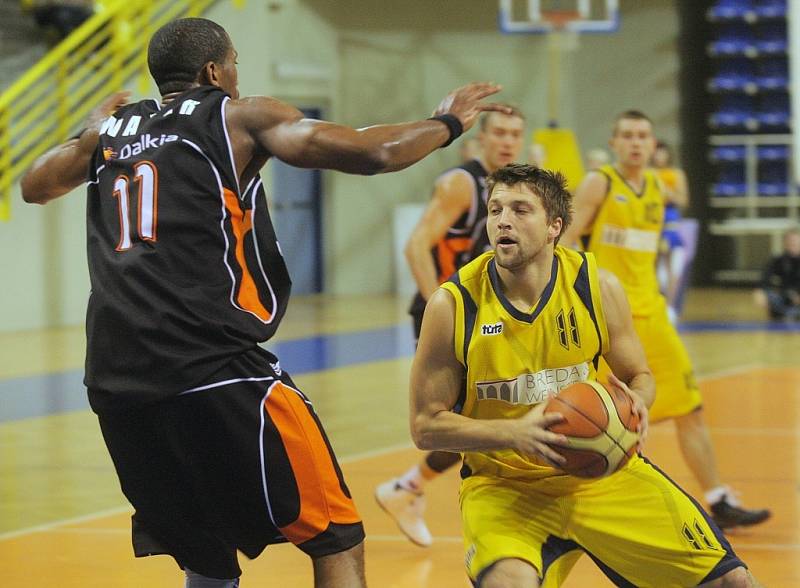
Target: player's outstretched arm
<point>436,381</point>
<point>589,197</point>
<point>280,130</point>
<point>452,197</point>
<point>64,168</point>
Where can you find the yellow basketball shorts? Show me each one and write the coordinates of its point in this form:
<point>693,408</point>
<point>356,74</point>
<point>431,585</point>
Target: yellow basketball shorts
<point>637,525</point>
<point>677,393</point>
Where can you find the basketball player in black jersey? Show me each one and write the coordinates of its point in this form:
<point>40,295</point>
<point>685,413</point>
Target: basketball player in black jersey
<point>450,233</point>
<point>215,447</point>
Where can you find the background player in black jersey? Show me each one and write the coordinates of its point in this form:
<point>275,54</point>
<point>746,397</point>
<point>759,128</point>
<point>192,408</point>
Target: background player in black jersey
<point>450,233</point>
<point>213,444</point>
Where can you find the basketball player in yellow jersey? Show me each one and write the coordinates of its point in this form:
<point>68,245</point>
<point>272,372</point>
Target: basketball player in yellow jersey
<point>508,331</point>
<point>621,209</point>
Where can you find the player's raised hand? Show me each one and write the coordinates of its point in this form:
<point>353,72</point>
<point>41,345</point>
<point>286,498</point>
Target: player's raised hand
<point>531,437</point>
<point>106,108</point>
<point>467,102</point>
<point>639,407</point>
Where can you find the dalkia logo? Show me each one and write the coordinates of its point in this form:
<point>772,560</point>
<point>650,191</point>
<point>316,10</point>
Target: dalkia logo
<point>492,329</point>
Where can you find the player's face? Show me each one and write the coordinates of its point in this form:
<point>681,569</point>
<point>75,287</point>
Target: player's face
<point>518,226</point>
<point>501,140</point>
<point>229,74</point>
<point>633,142</point>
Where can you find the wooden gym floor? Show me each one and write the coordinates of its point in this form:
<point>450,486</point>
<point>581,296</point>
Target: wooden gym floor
<point>64,522</point>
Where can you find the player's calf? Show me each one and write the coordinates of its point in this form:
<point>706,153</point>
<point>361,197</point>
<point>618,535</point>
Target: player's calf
<point>345,568</point>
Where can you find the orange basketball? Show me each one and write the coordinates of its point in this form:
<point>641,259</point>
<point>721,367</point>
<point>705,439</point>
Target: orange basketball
<point>600,425</point>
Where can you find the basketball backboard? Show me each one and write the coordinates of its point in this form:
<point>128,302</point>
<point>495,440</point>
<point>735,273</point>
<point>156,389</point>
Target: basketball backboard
<point>544,16</point>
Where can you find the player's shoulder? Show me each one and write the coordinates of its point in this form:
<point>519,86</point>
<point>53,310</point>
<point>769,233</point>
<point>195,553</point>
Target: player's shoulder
<point>598,181</point>
<point>261,111</point>
<point>455,180</point>
<point>610,285</point>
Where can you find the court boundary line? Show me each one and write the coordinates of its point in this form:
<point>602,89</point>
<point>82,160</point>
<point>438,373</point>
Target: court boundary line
<point>44,527</point>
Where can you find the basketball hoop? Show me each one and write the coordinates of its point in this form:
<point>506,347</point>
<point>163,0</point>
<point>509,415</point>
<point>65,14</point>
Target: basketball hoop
<point>559,20</point>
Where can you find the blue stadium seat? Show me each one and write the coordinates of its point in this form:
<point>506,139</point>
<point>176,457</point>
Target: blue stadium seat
<point>773,179</point>
<point>773,113</point>
<point>730,181</point>
<point>772,38</point>
<point>734,75</point>
<point>773,152</point>
<point>772,74</point>
<point>735,38</point>
<point>731,10</point>
<point>770,9</point>
<point>727,153</point>
<point>736,112</point>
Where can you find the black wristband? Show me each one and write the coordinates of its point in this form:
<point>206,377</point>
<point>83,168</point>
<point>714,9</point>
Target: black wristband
<point>453,125</point>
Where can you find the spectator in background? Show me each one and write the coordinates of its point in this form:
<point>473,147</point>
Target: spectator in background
<point>61,17</point>
<point>780,291</point>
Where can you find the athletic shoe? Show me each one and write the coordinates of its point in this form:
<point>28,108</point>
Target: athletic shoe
<point>728,515</point>
<point>407,509</point>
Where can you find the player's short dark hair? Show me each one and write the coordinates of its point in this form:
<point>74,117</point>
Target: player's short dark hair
<point>550,186</point>
<point>484,120</point>
<point>630,115</point>
<point>179,50</point>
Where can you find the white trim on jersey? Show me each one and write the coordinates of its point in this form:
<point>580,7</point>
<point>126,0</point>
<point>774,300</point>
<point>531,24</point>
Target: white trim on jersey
<point>230,147</point>
<point>263,409</point>
<point>225,236</point>
<point>473,207</point>
<point>97,175</point>
<point>225,383</point>
<point>258,253</point>
<point>250,183</point>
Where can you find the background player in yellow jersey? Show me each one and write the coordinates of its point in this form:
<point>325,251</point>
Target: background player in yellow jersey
<point>490,356</point>
<point>451,232</point>
<point>621,209</point>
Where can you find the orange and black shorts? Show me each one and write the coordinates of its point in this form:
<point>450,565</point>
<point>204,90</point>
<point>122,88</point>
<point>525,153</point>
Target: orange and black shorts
<point>238,463</point>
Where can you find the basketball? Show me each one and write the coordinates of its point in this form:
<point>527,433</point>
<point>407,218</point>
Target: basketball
<point>601,427</point>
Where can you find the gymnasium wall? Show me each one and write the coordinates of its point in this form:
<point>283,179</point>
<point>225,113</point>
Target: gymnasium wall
<point>365,65</point>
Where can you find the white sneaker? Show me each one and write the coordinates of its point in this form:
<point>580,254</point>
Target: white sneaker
<point>406,508</point>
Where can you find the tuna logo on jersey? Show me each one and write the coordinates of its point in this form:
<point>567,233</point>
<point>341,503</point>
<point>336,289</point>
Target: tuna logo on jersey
<point>109,153</point>
<point>620,198</point>
<point>493,329</point>
<point>568,330</point>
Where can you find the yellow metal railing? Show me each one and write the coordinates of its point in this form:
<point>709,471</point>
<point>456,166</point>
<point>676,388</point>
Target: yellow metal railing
<point>53,98</point>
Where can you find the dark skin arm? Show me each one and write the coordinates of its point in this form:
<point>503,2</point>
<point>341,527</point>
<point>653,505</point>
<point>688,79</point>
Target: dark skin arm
<point>262,127</point>
<point>63,168</point>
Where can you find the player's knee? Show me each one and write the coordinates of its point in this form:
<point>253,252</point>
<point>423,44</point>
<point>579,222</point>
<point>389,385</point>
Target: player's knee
<point>736,578</point>
<point>195,580</point>
<point>510,573</point>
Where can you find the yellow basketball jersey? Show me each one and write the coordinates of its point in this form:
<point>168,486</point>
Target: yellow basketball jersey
<point>625,237</point>
<point>515,360</point>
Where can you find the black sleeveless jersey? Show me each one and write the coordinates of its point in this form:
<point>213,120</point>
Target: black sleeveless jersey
<point>185,269</point>
<point>466,239</point>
